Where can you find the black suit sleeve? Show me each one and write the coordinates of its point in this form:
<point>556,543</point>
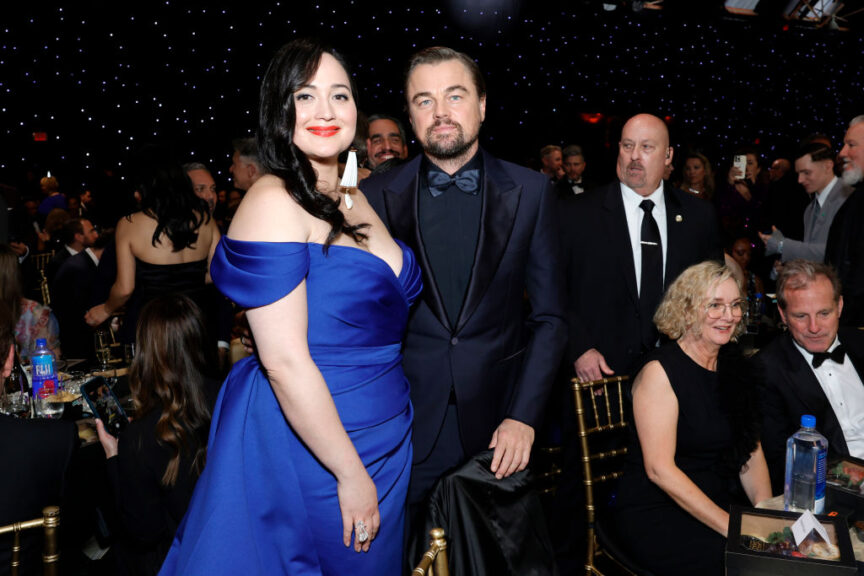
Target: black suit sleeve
<point>775,423</point>
<point>544,284</point>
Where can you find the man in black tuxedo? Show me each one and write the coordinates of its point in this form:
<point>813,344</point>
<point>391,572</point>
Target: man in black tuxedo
<point>814,368</point>
<point>624,243</point>
<point>484,233</point>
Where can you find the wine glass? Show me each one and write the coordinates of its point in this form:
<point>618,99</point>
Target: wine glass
<point>102,345</point>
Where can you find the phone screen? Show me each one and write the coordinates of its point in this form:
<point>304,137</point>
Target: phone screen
<point>741,163</point>
<point>104,405</point>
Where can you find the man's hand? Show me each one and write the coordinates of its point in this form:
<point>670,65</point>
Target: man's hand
<point>772,241</point>
<point>591,366</point>
<point>512,442</point>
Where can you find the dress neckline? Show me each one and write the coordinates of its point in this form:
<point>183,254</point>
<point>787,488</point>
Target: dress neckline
<point>374,256</point>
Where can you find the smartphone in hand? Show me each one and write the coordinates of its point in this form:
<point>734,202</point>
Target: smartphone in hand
<point>104,405</point>
<point>740,162</point>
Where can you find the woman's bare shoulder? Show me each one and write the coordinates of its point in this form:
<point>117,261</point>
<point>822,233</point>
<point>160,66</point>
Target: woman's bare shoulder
<point>268,213</point>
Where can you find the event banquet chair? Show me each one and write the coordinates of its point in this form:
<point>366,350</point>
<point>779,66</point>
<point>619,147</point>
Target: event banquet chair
<point>603,436</point>
<point>50,522</point>
<point>434,561</point>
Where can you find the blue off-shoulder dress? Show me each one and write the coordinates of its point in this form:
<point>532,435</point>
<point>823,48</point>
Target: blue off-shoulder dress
<point>264,504</point>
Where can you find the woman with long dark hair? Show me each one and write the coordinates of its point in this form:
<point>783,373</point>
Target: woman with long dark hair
<point>158,458</point>
<point>163,248</point>
<point>310,457</point>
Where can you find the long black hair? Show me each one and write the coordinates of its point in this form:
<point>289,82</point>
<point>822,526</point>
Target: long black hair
<point>290,69</point>
<point>167,196</point>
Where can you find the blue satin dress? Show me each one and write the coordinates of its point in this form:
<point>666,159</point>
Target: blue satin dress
<point>264,504</point>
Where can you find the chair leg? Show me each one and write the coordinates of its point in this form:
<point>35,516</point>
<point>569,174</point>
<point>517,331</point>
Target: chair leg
<point>51,556</point>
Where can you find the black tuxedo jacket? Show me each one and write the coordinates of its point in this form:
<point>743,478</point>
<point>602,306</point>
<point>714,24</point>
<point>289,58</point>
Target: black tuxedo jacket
<point>499,360</point>
<point>788,389</point>
<point>602,298</point>
<point>71,297</point>
<point>845,251</point>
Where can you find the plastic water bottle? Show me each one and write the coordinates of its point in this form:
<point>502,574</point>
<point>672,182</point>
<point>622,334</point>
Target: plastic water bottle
<point>42,369</point>
<point>806,459</point>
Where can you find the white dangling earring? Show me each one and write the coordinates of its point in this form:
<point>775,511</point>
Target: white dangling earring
<point>349,178</point>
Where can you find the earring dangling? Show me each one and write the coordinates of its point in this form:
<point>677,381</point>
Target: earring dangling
<point>349,178</point>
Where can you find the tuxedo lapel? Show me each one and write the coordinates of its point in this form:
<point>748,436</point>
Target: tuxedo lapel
<point>500,201</point>
<point>400,203</point>
<point>618,235</point>
<point>674,235</point>
<point>801,378</point>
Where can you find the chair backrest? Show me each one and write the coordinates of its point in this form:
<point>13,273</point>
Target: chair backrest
<point>41,260</point>
<point>50,523</point>
<point>603,421</point>
<point>434,561</point>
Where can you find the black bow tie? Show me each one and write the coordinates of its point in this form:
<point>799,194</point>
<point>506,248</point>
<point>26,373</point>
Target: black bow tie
<point>837,355</point>
<point>467,181</point>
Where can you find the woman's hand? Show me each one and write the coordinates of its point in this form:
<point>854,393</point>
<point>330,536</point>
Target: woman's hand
<point>358,500</point>
<point>109,442</point>
<point>743,190</point>
<point>96,315</point>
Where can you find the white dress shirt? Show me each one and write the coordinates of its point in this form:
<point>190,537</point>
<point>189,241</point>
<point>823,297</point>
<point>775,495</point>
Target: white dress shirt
<point>635,214</point>
<point>845,391</point>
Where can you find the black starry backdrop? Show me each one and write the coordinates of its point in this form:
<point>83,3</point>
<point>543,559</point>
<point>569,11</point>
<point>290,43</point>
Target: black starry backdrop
<point>83,84</point>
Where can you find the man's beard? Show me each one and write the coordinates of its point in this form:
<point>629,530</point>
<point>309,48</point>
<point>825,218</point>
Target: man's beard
<point>450,148</point>
<point>852,176</point>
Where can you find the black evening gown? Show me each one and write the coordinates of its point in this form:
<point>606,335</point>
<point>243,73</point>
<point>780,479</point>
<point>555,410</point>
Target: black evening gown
<point>660,535</point>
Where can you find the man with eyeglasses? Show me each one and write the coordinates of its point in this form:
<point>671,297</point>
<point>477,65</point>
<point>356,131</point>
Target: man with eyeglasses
<point>202,183</point>
<point>813,368</point>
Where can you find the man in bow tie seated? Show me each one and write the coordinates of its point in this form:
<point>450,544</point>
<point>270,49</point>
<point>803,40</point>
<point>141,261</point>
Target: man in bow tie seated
<point>814,368</point>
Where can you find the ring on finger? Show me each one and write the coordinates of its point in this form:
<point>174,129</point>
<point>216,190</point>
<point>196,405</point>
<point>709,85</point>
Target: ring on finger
<point>362,533</point>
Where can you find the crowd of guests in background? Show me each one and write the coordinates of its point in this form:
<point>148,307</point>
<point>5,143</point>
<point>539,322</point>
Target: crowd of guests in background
<point>689,258</point>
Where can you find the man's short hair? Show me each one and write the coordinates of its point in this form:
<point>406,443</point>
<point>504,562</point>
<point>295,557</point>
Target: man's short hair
<point>396,121</point>
<point>70,229</point>
<point>572,150</point>
<point>438,54</point>
<point>547,150</point>
<point>817,152</point>
<point>798,274</point>
<point>856,120</point>
<point>247,148</point>
<point>190,166</point>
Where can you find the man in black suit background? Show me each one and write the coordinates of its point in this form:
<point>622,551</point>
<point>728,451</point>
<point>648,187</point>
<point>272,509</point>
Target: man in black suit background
<point>814,368</point>
<point>484,233</point>
<point>624,243</point>
<point>845,247</point>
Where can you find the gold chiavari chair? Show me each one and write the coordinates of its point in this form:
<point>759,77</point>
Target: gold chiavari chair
<point>50,523</point>
<point>434,561</point>
<point>602,424</point>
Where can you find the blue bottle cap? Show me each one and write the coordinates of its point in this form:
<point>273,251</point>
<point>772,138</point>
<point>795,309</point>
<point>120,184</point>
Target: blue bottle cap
<point>808,421</point>
<point>41,342</point>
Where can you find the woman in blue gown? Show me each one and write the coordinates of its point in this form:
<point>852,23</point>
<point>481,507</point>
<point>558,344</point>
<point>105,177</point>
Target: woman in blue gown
<point>309,454</point>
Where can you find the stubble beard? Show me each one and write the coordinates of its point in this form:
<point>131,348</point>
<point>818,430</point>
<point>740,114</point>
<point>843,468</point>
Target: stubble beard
<point>450,147</point>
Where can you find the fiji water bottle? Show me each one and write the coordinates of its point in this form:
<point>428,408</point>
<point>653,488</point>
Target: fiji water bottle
<point>806,459</point>
<point>42,370</point>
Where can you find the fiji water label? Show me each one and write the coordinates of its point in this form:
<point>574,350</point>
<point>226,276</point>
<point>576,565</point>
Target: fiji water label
<point>819,492</point>
<point>43,374</point>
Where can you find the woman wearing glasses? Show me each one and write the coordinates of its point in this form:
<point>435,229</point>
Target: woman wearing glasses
<point>696,434</point>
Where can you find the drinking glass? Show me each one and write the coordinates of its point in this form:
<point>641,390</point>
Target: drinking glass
<point>102,345</point>
<point>47,406</point>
